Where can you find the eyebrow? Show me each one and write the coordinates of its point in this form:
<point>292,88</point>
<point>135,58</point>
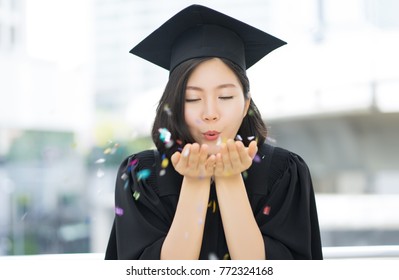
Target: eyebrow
<point>218,87</point>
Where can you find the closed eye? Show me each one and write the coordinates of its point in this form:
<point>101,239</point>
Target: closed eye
<point>192,99</point>
<point>226,97</point>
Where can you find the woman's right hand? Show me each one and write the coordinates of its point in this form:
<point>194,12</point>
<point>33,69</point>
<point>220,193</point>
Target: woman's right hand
<point>194,162</point>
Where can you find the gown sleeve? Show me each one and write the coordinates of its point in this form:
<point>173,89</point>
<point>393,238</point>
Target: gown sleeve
<point>141,221</point>
<point>287,216</point>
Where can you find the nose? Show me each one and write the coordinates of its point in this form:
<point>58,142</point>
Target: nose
<point>210,112</point>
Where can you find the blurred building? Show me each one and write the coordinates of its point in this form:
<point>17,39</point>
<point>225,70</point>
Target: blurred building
<point>329,95</point>
<point>45,110</point>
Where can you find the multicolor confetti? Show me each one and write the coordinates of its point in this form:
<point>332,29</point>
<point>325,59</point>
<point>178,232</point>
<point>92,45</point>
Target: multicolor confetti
<point>266,210</point>
<point>132,165</point>
<point>111,150</point>
<point>134,162</point>
<point>165,163</point>
<point>251,112</point>
<point>238,137</point>
<point>100,173</point>
<point>164,135</point>
<point>186,153</point>
<point>257,158</point>
<point>245,175</point>
<point>119,211</point>
<point>212,204</point>
<point>143,174</point>
<point>136,195</point>
<point>124,176</point>
<point>100,160</point>
<point>162,172</point>
<point>167,109</point>
<point>126,185</point>
<point>226,256</point>
<point>213,256</point>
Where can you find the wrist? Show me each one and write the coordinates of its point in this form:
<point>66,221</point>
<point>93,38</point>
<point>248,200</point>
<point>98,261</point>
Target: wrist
<point>227,180</point>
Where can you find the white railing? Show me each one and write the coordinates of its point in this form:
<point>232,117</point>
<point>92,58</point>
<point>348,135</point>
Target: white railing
<point>330,253</point>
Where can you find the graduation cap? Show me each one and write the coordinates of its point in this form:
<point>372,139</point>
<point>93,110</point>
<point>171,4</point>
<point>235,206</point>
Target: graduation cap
<point>198,31</point>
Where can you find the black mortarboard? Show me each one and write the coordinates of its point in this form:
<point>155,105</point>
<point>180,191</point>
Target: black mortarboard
<point>198,31</point>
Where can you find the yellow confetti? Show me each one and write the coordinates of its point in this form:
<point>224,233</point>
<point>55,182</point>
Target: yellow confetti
<point>165,163</point>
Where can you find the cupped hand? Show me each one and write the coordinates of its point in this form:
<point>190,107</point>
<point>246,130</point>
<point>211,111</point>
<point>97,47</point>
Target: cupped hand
<point>194,162</point>
<point>234,158</point>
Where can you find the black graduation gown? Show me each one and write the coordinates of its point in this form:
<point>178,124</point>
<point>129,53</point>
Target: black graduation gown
<point>279,189</point>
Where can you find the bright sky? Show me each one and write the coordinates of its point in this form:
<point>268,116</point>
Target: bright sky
<point>58,30</point>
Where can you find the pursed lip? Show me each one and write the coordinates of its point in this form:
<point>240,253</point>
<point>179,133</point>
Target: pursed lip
<point>211,132</point>
<point>211,135</point>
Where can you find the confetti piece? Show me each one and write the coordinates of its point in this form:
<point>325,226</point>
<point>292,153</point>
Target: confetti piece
<point>226,256</point>
<point>266,210</point>
<point>200,221</point>
<point>178,141</point>
<point>100,173</point>
<point>107,151</point>
<point>167,109</point>
<point>134,162</point>
<point>143,174</point>
<point>164,135</point>
<point>245,175</point>
<point>213,256</point>
<point>251,112</point>
<point>219,141</point>
<point>165,163</point>
<point>136,195</point>
<point>271,140</point>
<point>169,144</point>
<point>126,185</point>
<point>100,160</point>
<point>124,176</point>
<point>186,153</point>
<point>119,211</point>
<point>257,158</point>
<point>238,137</point>
<point>162,172</point>
<point>250,138</point>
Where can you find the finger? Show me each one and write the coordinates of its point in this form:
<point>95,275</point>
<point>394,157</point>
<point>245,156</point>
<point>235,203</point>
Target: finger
<point>243,154</point>
<point>218,164</point>
<point>194,156</point>
<point>227,167</point>
<point>175,158</point>
<point>210,165</point>
<point>203,154</point>
<point>183,160</point>
<point>234,156</point>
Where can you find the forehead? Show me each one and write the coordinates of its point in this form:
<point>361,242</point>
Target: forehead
<point>213,71</point>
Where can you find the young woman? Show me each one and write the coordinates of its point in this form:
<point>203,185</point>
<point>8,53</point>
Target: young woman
<point>213,189</point>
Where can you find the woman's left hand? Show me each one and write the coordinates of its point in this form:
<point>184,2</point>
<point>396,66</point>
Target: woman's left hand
<point>234,158</point>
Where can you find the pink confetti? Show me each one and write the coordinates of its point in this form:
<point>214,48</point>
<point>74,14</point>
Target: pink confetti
<point>133,162</point>
<point>266,210</point>
<point>119,211</point>
<point>257,158</point>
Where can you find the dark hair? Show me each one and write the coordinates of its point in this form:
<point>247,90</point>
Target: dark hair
<point>170,110</point>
